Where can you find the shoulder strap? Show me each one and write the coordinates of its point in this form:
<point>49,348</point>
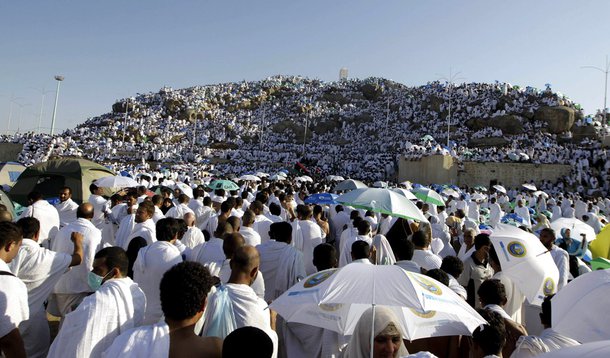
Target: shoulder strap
<point>6,273</point>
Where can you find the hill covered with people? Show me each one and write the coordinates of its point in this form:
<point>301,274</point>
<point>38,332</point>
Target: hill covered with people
<point>351,127</point>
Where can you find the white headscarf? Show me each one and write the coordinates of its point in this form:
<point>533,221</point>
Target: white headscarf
<point>360,344</point>
<point>385,255</point>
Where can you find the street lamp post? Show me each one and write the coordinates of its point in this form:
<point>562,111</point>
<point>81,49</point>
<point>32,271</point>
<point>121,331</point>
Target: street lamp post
<point>43,94</point>
<point>10,112</point>
<point>450,80</point>
<point>20,112</point>
<point>58,79</point>
<point>605,71</point>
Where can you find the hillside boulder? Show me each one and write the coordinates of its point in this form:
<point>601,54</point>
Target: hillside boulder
<point>559,119</point>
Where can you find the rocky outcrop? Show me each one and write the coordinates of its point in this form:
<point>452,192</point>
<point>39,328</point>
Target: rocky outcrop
<point>509,124</point>
<point>559,119</point>
<point>487,142</point>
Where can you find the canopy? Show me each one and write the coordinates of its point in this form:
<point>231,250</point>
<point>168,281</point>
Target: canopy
<point>9,172</point>
<point>6,201</point>
<point>50,176</point>
<point>350,184</point>
<point>383,201</point>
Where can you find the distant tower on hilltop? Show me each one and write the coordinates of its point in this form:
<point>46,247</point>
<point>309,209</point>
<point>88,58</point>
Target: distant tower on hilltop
<point>343,74</point>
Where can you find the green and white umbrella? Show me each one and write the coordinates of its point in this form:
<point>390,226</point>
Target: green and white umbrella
<point>223,184</point>
<point>383,201</point>
<point>428,196</point>
<point>349,184</point>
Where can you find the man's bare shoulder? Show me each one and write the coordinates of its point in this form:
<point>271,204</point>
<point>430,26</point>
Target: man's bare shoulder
<point>202,347</point>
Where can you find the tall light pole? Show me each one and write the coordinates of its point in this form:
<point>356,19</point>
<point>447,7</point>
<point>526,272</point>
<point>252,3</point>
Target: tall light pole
<point>58,78</point>
<point>605,71</point>
<point>20,112</point>
<point>450,80</point>
<point>43,93</point>
<point>10,112</point>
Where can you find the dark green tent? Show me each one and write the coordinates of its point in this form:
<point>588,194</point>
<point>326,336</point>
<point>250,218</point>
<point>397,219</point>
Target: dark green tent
<point>48,177</point>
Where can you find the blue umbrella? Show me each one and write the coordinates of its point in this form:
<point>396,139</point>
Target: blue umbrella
<point>322,198</point>
<point>125,173</point>
<point>512,219</point>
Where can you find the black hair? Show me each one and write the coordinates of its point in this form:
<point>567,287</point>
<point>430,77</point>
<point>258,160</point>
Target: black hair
<point>420,239</point>
<point>481,240</point>
<point>184,289</point>
<point>281,232</point>
<point>491,337</point>
<point>239,343</point>
<point>492,291</point>
<point>9,232</point>
<point>324,256</point>
<point>360,250</point>
<point>29,226</point>
<point>114,257</point>
<point>453,266</point>
<point>167,229</point>
<point>439,275</point>
<point>275,209</point>
<point>403,249</point>
<point>133,249</point>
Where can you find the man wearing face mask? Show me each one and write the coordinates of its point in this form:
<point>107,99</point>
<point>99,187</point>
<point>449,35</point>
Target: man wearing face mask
<point>248,308</point>
<point>117,305</point>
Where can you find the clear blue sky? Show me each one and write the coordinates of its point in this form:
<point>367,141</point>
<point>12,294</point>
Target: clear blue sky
<point>115,48</point>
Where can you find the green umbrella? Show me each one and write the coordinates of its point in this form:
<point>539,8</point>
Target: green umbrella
<point>428,196</point>
<point>600,263</point>
<point>383,201</point>
<point>223,184</point>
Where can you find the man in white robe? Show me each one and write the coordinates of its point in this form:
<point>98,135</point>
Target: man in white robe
<point>422,255</point>
<point>514,298</point>
<point>549,340</point>
<point>495,213</point>
<point>338,222</point>
<point>117,305</point>
<point>178,211</point>
<point>193,236</point>
<point>184,290</point>
<point>524,212</point>
<point>560,256</point>
<point>157,200</point>
<point>144,225</point>
<point>306,235</point>
<point>153,261</point>
<point>72,287</point>
<point>248,308</point>
<point>46,214</point>
<point>13,293</point>
<point>210,254</point>
<point>280,262</point>
<point>230,243</point>
<point>261,222</point>
<point>100,206</point>
<point>66,208</point>
<point>250,235</point>
<point>364,230</point>
<point>40,269</point>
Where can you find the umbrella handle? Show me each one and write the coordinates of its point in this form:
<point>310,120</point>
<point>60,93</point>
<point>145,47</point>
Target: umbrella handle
<point>373,331</point>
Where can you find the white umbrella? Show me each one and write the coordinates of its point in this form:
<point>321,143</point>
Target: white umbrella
<point>404,192</point>
<point>407,184</point>
<point>277,177</point>
<point>185,189</point>
<point>282,174</point>
<point>525,261</point>
<point>428,196</point>
<point>261,174</point>
<point>116,182</point>
<point>249,177</point>
<point>350,184</point>
<point>335,178</point>
<point>478,196</point>
<point>537,193</point>
<point>451,192</point>
<point>580,309</point>
<point>587,350</point>
<point>304,178</point>
<point>382,201</point>
<point>500,188</point>
<point>380,184</point>
<point>406,293</point>
<point>577,228</point>
<point>531,187</point>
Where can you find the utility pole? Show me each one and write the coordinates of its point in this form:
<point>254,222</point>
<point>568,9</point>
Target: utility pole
<point>605,71</point>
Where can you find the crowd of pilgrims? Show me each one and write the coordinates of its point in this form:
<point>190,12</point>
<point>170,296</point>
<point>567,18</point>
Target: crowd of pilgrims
<point>144,275</point>
<point>355,128</point>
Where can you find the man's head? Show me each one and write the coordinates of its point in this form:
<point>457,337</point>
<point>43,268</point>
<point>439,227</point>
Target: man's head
<point>469,235</point>
<point>489,339</point>
<point>324,256</point>
<point>207,201</point>
<point>183,199</point>
<point>360,250</point>
<point>304,212</point>
<point>492,292</point>
<point>281,232</point>
<point>257,207</point>
<point>30,228</point>
<point>141,190</point>
<point>94,189</point>
<point>275,209</point>
<point>247,219</point>
<point>226,207</point>
<point>131,198</point>
<point>5,216</point>
<point>239,343</point>
<point>439,275</point>
<point>145,211</point>
<point>65,193</point>
<point>157,200</point>
<point>453,266</point>
<point>34,197</point>
<point>10,241</point>
<point>244,265</point>
<point>222,229</point>
<point>110,262</point>
<point>189,219</point>
<point>232,242</point>
<point>168,229</point>
<point>85,211</point>
<point>420,240</point>
<point>482,243</point>
<point>184,289</point>
<point>364,227</point>
<point>547,237</point>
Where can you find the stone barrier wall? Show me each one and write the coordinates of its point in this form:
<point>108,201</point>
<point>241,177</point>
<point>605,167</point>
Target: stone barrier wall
<point>9,152</point>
